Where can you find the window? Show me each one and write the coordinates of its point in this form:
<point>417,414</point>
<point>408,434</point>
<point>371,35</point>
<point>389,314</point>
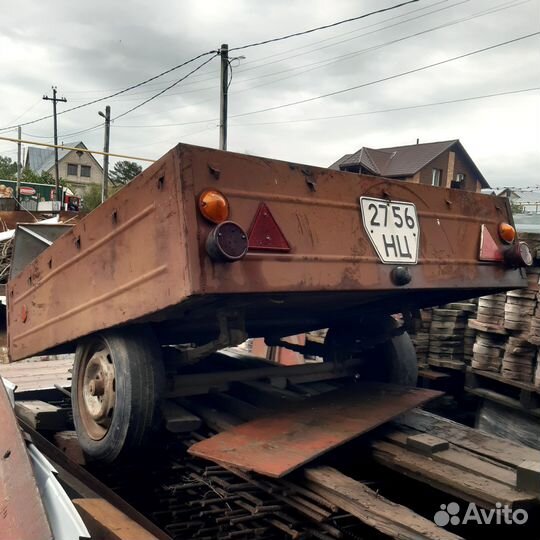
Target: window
<point>460,178</point>
<point>85,171</point>
<point>436,177</point>
<point>72,169</point>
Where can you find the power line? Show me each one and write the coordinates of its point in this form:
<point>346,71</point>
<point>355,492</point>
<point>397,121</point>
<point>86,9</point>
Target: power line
<point>165,89</point>
<point>95,91</point>
<point>205,54</point>
<point>301,54</point>
<point>394,109</point>
<point>132,87</point>
<point>323,63</point>
<point>324,27</point>
<point>390,77</point>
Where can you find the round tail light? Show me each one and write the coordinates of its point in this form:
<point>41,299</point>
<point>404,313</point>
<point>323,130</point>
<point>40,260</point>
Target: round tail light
<point>227,242</point>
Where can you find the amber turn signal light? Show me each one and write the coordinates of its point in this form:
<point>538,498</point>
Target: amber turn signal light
<point>214,206</point>
<point>507,233</point>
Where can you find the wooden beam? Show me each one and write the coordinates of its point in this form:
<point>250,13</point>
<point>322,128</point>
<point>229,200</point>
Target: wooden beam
<point>178,419</point>
<point>371,508</point>
<point>106,522</point>
<point>41,415</point>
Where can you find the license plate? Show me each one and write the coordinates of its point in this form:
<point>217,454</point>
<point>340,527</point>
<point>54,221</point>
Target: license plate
<point>392,228</point>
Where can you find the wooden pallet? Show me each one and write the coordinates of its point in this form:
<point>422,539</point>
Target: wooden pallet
<point>493,386</point>
<point>456,459</point>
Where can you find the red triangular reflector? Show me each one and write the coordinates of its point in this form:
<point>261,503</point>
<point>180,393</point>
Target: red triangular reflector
<point>265,234</point>
<point>489,250</point>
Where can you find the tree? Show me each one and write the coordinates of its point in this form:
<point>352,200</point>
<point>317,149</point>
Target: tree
<point>516,207</point>
<point>8,168</point>
<point>91,198</point>
<point>123,172</point>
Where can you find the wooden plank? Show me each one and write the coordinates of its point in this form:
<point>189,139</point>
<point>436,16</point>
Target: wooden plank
<point>278,444</point>
<point>68,442</point>
<point>391,519</point>
<point>498,377</point>
<point>453,480</point>
<point>503,400</point>
<point>41,415</point>
<point>39,375</point>
<point>178,419</point>
<point>462,459</point>
<point>432,375</point>
<point>106,522</point>
<point>476,441</point>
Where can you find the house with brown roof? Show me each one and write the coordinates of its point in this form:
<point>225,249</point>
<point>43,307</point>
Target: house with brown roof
<point>444,164</point>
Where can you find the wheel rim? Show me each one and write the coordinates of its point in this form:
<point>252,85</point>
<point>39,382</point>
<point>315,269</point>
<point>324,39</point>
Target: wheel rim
<point>96,389</point>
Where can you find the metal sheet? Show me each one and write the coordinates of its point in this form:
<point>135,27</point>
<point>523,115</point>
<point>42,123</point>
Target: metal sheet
<point>278,444</point>
<point>22,516</point>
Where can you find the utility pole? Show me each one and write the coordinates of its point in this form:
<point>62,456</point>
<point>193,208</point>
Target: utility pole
<point>105,185</point>
<point>54,99</point>
<point>224,52</point>
<point>17,192</point>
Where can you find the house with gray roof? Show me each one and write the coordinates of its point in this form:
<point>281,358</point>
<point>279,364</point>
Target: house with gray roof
<point>79,169</point>
<point>443,164</point>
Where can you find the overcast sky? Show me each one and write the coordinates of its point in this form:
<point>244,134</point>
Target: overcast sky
<point>90,50</point>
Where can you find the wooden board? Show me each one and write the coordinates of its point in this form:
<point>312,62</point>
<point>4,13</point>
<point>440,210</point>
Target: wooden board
<point>106,522</point>
<point>391,519</point>
<point>278,444</point>
<point>38,375</point>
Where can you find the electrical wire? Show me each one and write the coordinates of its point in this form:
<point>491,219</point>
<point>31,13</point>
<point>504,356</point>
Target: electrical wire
<point>165,89</point>
<point>324,27</point>
<point>132,87</point>
<point>344,57</point>
<point>296,48</point>
<point>323,63</point>
<point>390,77</point>
<point>337,23</point>
<point>394,109</point>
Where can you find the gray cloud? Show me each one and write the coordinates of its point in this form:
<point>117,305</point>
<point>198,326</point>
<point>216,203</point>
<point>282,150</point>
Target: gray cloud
<point>90,51</point>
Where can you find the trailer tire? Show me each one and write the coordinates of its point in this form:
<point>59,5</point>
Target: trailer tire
<point>393,361</point>
<point>118,379</point>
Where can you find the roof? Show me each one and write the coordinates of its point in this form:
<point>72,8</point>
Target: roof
<point>42,159</point>
<point>398,161</point>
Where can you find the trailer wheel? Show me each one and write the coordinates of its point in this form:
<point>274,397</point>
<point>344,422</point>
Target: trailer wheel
<point>393,361</point>
<point>117,382</point>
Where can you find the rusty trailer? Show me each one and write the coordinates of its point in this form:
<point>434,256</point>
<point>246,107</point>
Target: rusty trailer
<point>207,248</point>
